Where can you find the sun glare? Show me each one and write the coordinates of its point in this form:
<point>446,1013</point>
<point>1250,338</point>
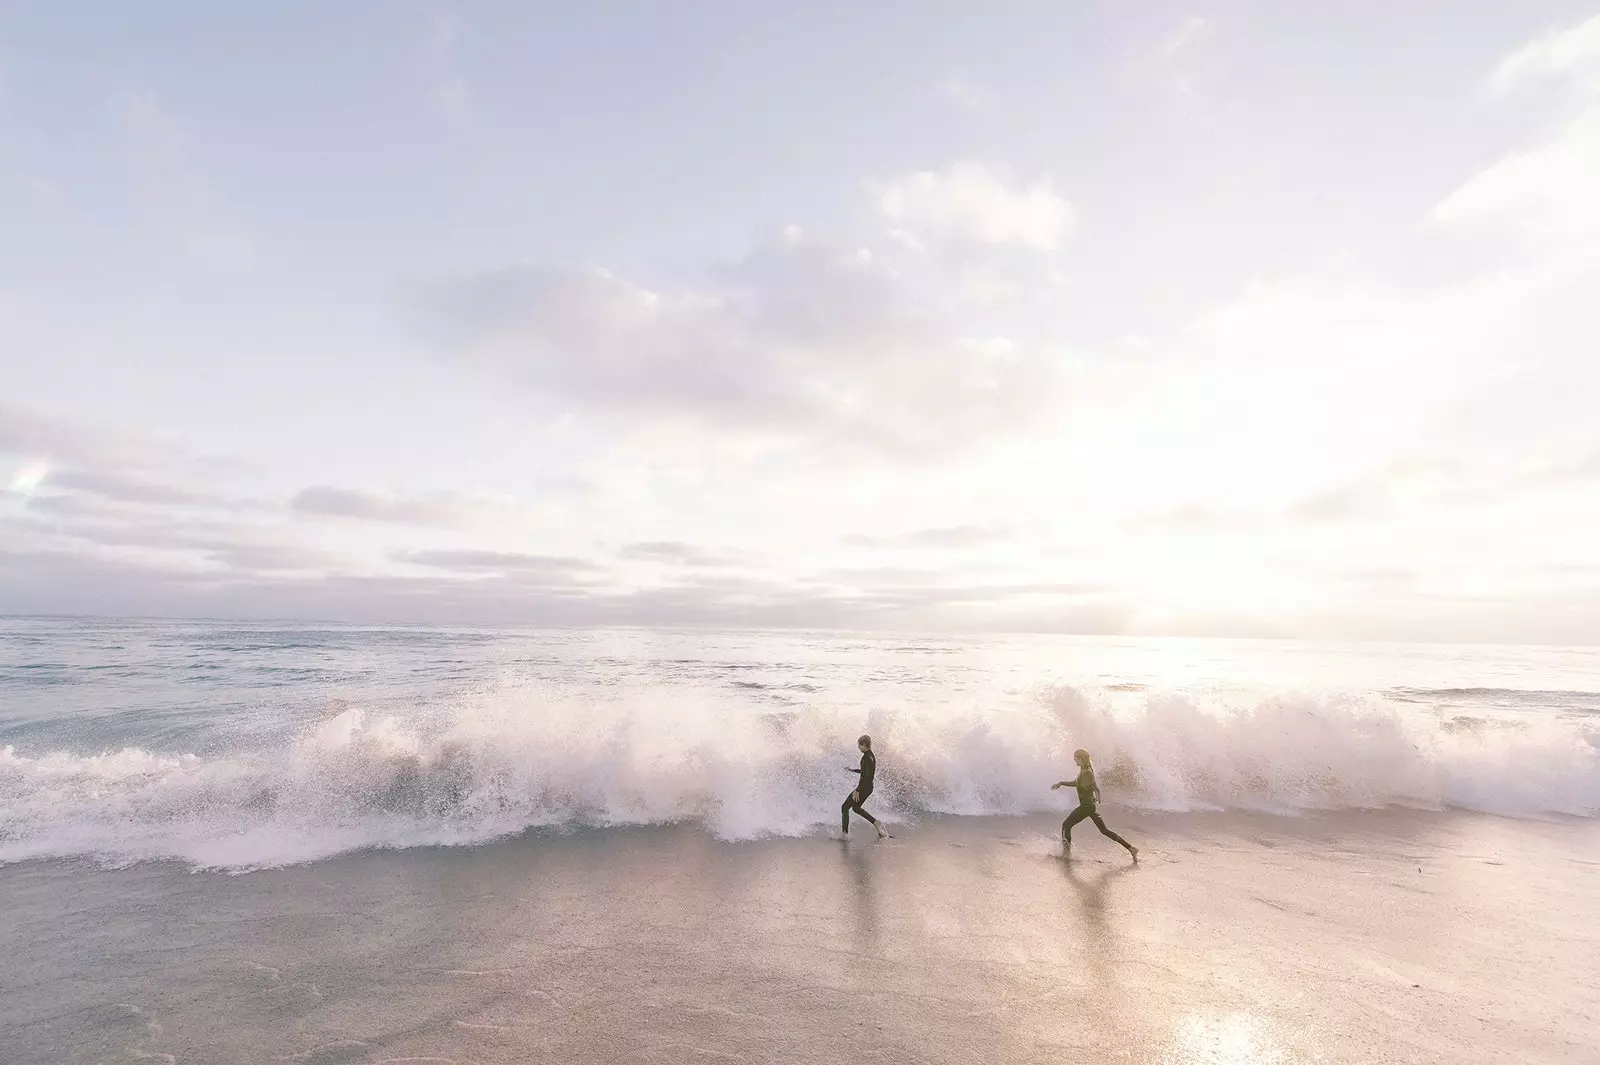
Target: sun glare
<point>1176,581</point>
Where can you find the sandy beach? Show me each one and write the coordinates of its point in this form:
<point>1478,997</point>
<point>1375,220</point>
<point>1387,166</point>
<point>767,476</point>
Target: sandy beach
<point>1357,937</point>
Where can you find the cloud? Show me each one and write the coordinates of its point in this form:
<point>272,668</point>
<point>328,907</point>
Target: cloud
<point>1380,580</point>
<point>1571,52</point>
<point>29,434</point>
<point>1546,190</point>
<point>477,561</point>
<point>943,594</point>
<point>272,558</point>
<point>799,340</point>
<point>122,488</point>
<point>436,508</point>
<point>971,204</point>
<point>952,537</point>
<point>100,532</point>
<point>1349,503</point>
<point>674,552</point>
<point>42,581</point>
<point>1188,518</point>
<point>70,470</point>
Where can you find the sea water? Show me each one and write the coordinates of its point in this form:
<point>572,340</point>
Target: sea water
<point>248,745</point>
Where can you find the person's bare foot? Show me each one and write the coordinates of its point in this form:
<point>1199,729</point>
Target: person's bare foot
<point>883,833</point>
<point>1135,852</point>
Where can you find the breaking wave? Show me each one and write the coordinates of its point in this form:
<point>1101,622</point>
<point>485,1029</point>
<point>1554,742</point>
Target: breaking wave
<point>515,759</point>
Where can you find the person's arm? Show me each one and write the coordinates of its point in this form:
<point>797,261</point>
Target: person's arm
<point>1066,783</point>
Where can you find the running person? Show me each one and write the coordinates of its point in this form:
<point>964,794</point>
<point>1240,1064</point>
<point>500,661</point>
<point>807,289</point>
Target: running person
<point>1088,801</point>
<point>858,798</point>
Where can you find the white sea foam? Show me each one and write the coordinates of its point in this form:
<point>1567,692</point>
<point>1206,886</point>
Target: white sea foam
<point>518,758</point>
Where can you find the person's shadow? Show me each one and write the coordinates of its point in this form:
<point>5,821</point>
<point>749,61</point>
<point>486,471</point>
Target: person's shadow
<point>1092,889</point>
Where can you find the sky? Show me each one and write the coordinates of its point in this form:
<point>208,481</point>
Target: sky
<point>1231,319</point>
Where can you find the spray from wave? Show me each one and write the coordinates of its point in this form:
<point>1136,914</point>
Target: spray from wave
<point>514,760</point>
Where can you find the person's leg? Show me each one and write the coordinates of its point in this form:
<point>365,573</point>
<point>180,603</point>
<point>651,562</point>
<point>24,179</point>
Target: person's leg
<point>861,808</point>
<point>854,802</point>
<point>1099,823</point>
<point>1066,826</point>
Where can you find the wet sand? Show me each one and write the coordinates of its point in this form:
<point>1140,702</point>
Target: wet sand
<point>1374,937</point>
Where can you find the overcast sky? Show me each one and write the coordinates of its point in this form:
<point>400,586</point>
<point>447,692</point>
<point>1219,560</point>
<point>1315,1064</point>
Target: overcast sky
<point>1232,318</point>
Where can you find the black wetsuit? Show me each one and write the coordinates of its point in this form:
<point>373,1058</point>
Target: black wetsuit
<point>1088,800</point>
<point>857,798</point>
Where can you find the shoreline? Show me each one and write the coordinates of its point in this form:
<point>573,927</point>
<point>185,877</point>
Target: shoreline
<point>1309,824</point>
<point>1366,937</point>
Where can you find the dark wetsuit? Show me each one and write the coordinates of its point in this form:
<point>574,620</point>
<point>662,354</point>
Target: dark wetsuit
<point>857,798</point>
<point>1088,799</point>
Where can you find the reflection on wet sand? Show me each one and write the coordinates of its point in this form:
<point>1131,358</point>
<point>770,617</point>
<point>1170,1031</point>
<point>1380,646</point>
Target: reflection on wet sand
<point>965,943</point>
<point>1223,1039</point>
<point>864,897</point>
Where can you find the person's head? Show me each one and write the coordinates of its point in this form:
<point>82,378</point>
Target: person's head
<point>864,744</point>
<point>1081,756</point>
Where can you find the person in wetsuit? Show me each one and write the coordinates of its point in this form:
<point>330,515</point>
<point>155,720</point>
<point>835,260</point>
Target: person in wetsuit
<point>1088,803</point>
<point>858,798</point>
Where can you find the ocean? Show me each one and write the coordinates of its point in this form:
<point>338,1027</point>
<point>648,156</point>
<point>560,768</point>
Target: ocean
<point>226,841</point>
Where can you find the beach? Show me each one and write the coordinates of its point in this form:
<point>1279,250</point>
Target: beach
<point>485,488</point>
<point>1396,936</point>
<point>245,843</point>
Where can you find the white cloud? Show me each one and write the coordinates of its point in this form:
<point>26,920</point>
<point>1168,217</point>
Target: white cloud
<point>1547,190</point>
<point>800,340</point>
<point>556,567</point>
<point>969,202</point>
<point>434,508</point>
<point>31,435</point>
<point>1183,478</point>
<point>1573,52</point>
<point>950,537</point>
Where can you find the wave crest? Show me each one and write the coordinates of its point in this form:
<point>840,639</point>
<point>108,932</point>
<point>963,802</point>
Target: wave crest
<point>515,760</point>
